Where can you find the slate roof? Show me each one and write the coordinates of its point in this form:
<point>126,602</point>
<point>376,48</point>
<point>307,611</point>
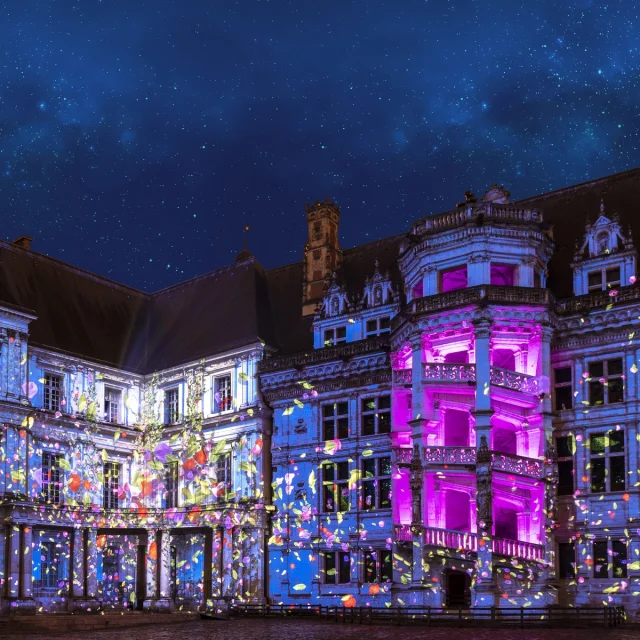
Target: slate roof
<point>92,317</point>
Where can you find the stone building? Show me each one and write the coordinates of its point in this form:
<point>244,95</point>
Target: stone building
<point>446,417</point>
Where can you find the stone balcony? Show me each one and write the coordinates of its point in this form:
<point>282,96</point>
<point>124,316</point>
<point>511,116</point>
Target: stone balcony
<point>446,372</point>
<point>480,294</point>
<point>466,541</point>
<point>466,456</point>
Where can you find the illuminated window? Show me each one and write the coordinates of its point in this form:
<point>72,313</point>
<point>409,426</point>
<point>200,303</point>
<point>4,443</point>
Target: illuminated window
<point>606,382</point>
<point>52,391</point>
<point>171,414</point>
<point>223,474</point>
<point>604,279</point>
<point>566,560</point>
<point>48,565</point>
<point>565,447</point>
<point>377,565</point>
<point>337,567</point>
<point>503,275</point>
<point>52,476</point>
<point>337,335</point>
<point>171,485</point>
<point>452,279</point>
<point>335,487</point>
<point>378,326</point>
<point>110,484</point>
<point>112,398</point>
<point>563,388</point>
<point>376,415</point>
<point>607,461</point>
<point>335,421</point>
<point>609,559</point>
<point>376,483</point>
<point>222,398</point>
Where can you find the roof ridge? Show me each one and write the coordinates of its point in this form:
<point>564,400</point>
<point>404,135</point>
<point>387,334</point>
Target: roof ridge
<point>72,268</point>
<point>582,185</point>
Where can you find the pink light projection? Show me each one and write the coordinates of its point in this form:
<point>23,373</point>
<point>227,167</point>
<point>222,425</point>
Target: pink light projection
<point>453,279</point>
<point>503,275</point>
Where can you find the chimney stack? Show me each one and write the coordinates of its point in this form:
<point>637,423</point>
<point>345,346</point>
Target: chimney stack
<point>23,241</point>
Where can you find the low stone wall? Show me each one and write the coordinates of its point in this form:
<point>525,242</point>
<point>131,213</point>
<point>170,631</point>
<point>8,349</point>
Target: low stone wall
<point>65,623</point>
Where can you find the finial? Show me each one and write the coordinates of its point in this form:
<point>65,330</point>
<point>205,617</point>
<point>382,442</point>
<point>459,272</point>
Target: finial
<point>601,206</point>
<point>244,233</point>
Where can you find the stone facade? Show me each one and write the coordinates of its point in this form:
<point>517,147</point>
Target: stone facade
<point>426,420</point>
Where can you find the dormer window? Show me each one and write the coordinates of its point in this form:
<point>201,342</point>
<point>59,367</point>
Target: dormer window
<point>337,335</point>
<point>603,279</point>
<point>602,243</point>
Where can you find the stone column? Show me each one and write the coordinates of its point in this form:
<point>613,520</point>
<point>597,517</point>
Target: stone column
<point>91,559</point>
<point>217,569</point>
<point>78,583</point>
<point>551,507</point>
<point>20,587</point>
<point>151,570</point>
<point>13,568</point>
<point>416,376</point>
<point>484,591</point>
<point>26,568</point>
<point>164,602</point>
<point>227,563</point>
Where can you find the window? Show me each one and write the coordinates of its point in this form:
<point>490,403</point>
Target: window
<point>335,336</point>
<point>335,421</point>
<point>51,477</point>
<point>563,388</point>
<point>566,560</point>
<point>376,415</point>
<point>604,279</point>
<point>223,474</point>
<point>503,275</point>
<point>565,448</point>
<point>222,398</point>
<point>335,487</point>
<point>376,483</point>
<point>606,382</point>
<point>171,485</point>
<point>112,404</point>
<point>48,564</point>
<point>110,484</point>
<point>378,566</point>
<point>171,415</point>
<point>337,567</point>
<point>52,392</point>
<point>378,326</point>
<point>607,461</point>
<point>609,559</point>
<point>453,279</point>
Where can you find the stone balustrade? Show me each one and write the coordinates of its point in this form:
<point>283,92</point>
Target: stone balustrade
<point>402,533</point>
<point>445,372</point>
<point>518,549</point>
<point>517,465</point>
<point>513,380</point>
<point>460,540</point>
<point>449,455</point>
<point>402,376</point>
<point>401,455</point>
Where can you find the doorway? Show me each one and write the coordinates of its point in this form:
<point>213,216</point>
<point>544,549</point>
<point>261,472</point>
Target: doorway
<point>458,589</point>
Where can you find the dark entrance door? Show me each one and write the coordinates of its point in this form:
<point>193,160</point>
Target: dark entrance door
<point>141,577</point>
<point>458,591</point>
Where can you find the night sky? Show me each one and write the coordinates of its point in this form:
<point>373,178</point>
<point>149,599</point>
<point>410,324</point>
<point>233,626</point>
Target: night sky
<point>137,138</point>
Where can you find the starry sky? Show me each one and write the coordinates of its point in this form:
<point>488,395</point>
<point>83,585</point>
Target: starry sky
<point>137,138</point>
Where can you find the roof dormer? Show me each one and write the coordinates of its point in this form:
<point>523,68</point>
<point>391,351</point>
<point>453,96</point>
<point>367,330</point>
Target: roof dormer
<point>335,301</point>
<point>378,289</point>
<point>606,259</point>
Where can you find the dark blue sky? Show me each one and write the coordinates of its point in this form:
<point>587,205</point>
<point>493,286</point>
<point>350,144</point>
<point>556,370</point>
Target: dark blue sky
<point>136,138</point>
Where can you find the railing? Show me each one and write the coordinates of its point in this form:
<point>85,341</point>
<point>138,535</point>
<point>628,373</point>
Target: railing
<point>449,372</point>
<point>513,380</point>
<point>517,464</point>
<point>517,549</point>
<point>474,295</point>
<point>402,455</point>
<point>468,214</point>
<point>402,376</point>
<point>402,533</point>
<point>461,616</point>
<point>314,356</point>
<point>461,540</point>
<point>449,455</point>
<point>598,299</point>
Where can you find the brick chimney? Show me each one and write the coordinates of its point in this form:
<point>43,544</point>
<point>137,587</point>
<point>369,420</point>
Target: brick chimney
<point>23,241</point>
